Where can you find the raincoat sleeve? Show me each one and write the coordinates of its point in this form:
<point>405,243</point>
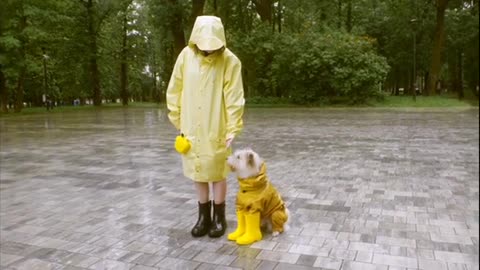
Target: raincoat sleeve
<point>234,99</point>
<point>174,92</point>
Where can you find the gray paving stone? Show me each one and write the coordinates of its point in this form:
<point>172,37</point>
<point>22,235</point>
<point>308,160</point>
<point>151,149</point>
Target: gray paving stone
<point>459,266</point>
<point>309,250</point>
<point>343,254</point>
<point>34,264</point>
<point>456,257</point>
<point>210,257</point>
<point>268,245</point>
<point>174,263</point>
<point>364,256</point>
<point>70,267</point>
<point>110,265</point>
<point>223,267</point>
<point>286,266</point>
<point>282,247</point>
<point>143,267</point>
<point>386,186</point>
<point>207,266</point>
<point>328,263</point>
<point>349,265</point>
<point>403,242</point>
<point>148,260</point>
<point>245,263</point>
<point>307,260</point>
<point>278,256</point>
<point>6,259</point>
<point>431,264</point>
<point>267,265</point>
<point>227,249</point>
<point>395,260</point>
<point>80,260</point>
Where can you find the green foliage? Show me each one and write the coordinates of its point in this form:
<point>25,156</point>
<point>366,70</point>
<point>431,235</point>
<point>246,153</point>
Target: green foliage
<point>307,53</point>
<point>311,67</point>
<point>463,37</point>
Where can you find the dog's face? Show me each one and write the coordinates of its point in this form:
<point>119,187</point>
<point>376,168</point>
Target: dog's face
<point>245,163</point>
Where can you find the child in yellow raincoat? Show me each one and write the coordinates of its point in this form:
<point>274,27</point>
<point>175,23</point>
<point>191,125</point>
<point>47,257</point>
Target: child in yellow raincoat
<point>205,102</point>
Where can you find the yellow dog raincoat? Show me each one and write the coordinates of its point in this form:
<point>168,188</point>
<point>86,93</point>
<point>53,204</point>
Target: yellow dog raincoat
<point>257,199</point>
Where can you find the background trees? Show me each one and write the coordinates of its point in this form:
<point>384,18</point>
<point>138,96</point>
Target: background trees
<point>301,51</point>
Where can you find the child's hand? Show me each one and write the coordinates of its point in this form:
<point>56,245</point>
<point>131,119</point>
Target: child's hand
<point>229,141</point>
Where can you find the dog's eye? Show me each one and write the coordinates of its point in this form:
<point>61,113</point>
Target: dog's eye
<point>238,157</point>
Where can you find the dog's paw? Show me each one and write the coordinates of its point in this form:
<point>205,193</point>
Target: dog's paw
<point>275,234</point>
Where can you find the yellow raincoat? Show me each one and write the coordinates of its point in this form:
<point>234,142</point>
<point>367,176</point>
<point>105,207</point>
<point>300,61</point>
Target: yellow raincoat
<point>256,194</point>
<point>205,100</point>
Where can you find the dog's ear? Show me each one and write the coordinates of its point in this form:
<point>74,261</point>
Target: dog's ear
<point>251,160</point>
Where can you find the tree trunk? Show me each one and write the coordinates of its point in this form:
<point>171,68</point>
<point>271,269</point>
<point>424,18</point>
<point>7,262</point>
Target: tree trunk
<point>176,26</point>
<point>154,96</point>
<point>460,74</point>
<point>3,92</point>
<point>124,63</point>
<point>279,16</point>
<point>215,8</point>
<point>23,70</point>
<point>438,41</point>
<point>264,9</point>
<point>349,16</point>
<point>339,14</point>
<point>19,93</point>
<point>397,84</point>
<point>427,75</point>
<point>274,20</point>
<point>411,82</point>
<point>45,77</point>
<point>94,72</point>
<point>452,71</point>
<point>197,9</point>
<point>153,92</point>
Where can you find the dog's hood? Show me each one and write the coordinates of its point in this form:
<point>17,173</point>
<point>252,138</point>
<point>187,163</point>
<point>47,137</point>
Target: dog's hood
<point>256,182</point>
<point>208,34</point>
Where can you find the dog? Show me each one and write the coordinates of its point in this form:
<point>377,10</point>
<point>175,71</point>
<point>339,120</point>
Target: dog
<point>257,199</point>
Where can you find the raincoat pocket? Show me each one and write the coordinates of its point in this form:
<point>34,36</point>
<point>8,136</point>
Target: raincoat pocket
<point>221,150</point>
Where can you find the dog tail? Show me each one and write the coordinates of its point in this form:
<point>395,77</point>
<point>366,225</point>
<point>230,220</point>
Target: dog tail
<point>286,226</point>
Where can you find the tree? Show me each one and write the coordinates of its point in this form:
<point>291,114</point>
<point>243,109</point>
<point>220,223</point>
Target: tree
<point>264,9</point>
<point>22,25</point>
<point>109,49</point>
<point>438,41</point>
<point>461,23</point>
<point>96,13</point>
<point>3,92</point>
<point>123,54</point>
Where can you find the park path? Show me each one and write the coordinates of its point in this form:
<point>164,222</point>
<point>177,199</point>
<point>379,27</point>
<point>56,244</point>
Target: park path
<point>367,189</point>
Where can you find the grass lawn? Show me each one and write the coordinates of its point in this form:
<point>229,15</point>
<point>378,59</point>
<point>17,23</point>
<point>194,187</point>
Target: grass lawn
<point>68,109</point>
<point>423,102</point>
<point>388,102</point>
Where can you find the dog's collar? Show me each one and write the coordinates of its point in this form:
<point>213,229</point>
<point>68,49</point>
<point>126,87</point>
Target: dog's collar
<point>256,182</point>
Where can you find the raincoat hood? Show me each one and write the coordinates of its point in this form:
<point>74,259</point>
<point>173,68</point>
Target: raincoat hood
<point>208,34</point>
<point>253,183</point>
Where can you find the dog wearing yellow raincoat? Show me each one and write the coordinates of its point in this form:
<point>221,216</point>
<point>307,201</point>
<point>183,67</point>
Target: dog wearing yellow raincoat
<point>257,200</point>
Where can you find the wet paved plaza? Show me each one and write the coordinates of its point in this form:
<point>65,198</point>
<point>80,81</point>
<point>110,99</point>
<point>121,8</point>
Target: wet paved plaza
<point>367,189</point>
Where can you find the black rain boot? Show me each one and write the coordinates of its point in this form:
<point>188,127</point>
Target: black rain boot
<point>204,219</point>
<point>219,224</point>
